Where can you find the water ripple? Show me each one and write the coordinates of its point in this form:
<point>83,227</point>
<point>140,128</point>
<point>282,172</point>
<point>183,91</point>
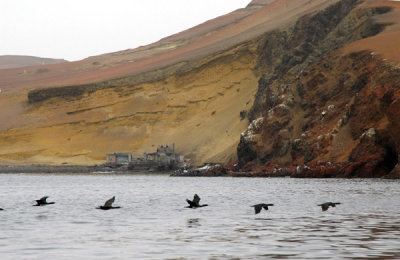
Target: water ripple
<point>153,222</point>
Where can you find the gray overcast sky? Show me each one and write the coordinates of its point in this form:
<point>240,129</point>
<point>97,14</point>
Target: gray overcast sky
<point>76,29</point>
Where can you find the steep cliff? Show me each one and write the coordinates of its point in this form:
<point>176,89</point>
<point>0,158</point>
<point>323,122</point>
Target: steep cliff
<point>320,106</point>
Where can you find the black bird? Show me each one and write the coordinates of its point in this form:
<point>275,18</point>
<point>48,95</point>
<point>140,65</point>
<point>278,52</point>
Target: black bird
<point>1,209</point>
<point>325,206</point>
<point>258,207</point>
<point>108,205</point>
<point>43,201</point>
<point>195,202</point>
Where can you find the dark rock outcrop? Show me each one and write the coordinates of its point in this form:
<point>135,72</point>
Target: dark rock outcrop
<point>333,114</point>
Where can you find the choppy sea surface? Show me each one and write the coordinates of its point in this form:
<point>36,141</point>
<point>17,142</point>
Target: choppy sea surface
<point>153,222</point>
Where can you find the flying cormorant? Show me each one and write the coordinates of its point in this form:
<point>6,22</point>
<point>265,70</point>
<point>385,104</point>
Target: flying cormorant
<point>258,207</point>
<point>43,201</point>
<point>325,206</point>
<point>195,202</point>
<point>108,204</point>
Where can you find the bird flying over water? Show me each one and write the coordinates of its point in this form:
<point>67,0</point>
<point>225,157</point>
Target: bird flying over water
<point>325,206</point>
<point>1,209</point>
<point>108,204</point>
<point>43,201</point>
<point>195,202</point>
<point>258,207</point>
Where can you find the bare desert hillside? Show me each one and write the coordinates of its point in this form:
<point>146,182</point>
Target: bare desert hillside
<point>206,39</point>
<point>246,87</point>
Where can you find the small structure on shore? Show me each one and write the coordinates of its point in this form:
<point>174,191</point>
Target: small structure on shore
<point>165,155</point>
<point>119,158</point>
<point>165,158</point>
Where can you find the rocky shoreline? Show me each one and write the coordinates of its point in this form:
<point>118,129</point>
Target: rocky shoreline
<point>316,170</point>
<point>67,169</point>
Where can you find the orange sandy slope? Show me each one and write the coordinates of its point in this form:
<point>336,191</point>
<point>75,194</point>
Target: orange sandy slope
<point>198,42</point>
<point>387,43</point>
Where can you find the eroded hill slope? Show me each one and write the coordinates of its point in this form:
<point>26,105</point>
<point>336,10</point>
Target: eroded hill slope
<point>187,89</point>
<point>307,79</point>
<point>198,111</point>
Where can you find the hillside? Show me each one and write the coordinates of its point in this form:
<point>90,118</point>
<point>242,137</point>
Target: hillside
<point>16,61</point>
<point>181,50</point>
<point>328,98</point>
<point>277,83</point>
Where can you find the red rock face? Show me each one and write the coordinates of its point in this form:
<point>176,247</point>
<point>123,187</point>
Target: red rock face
<point>394,116</point>
<point>340,115</point>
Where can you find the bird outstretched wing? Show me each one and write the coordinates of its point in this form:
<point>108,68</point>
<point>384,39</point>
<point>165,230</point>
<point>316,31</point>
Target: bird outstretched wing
<point>191,204</point>
<point>109,202</point>
<point>196,199</point>
<point>257,208</point>
<point>325,206</point>
<point>42,200</point>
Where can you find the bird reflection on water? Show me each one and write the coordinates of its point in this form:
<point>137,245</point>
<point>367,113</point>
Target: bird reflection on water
<point>193,223</point>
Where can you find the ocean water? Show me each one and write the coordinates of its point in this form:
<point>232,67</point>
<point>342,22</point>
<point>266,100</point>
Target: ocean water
<point>153,222</point>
